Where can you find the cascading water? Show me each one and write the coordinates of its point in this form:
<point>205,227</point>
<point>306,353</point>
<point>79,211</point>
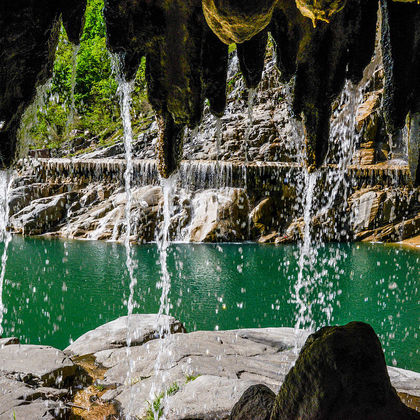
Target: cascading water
<point>318,205</point>
<point>5,236</point>
<point>125,90</point>
<point>163,243</point>
<point>250,115</point>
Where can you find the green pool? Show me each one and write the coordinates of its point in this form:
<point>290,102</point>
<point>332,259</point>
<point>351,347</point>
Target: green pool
<point>56,290</point>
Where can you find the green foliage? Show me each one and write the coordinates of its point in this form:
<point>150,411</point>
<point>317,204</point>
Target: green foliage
<point>82,98</point>
<point>190,378</point>
<point>156,405</point>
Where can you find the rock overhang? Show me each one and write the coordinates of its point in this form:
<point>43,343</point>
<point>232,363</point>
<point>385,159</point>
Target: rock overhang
<point>184,43</point>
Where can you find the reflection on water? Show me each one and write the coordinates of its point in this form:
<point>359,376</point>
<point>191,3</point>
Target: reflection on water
<point>55,290</point>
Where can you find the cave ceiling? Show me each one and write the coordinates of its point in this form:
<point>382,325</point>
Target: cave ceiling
<point>320,44</point>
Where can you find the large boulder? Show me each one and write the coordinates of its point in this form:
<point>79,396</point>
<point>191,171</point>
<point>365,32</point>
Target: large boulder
<point>41,365</point>
<point>340,374</point>
<point>256,403</point>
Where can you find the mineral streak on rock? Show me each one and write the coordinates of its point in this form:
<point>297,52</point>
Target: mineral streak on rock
<point>320,9</point>
<point>237,21</point>
<point>28,39</point>
<point>340,374</point>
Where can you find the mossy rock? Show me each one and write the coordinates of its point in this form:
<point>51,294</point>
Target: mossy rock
<point>340,374</point>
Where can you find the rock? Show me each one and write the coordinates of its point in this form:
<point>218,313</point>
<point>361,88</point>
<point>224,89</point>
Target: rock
<point>41,215</point>
<point>237,22</point>
<point>256,403</point>
<point>113,335</point>
<point>219,216</point>
<point>226,359</point>
<point>320,10</point>
<point>262,215</point>
<point>340,373</point>
<point>37,364</point>
<point>8,341</point>
<point>192,402</point>
<point>365,205</point>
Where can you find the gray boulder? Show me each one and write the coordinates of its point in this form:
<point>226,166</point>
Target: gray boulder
<point>41,365</point>
<point>113,335</point>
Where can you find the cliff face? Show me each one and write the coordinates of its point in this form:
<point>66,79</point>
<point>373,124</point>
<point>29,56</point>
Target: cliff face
<point>185,47</point>
<point>28,38</point>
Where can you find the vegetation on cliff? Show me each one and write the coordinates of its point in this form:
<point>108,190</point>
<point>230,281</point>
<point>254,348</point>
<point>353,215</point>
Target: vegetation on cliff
<point>82,97</point>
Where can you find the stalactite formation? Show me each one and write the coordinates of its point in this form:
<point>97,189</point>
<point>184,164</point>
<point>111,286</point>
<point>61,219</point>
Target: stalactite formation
<point>319,45</point>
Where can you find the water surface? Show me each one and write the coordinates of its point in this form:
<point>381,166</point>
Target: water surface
<point>56,290</point>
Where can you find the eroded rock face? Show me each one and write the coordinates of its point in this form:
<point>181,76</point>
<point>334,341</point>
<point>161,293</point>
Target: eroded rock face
<point>340,373</point>
<point>186,62</point>
<point>28,38</point>
<point>237,21</point>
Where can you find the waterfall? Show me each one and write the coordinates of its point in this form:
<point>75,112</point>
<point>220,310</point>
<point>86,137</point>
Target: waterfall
<point>333,179</point>
<point>250,114</point>
<point>5,236</point>
<point>125,89</point>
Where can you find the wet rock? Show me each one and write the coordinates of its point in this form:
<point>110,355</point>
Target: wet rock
<point>40,365</point>
<point>219,216</point>
<point>41,215</point>
<point>340,373</point>
<point>224,363</point>
<point>256,403</point>
<point>220,391</point>
<point>113,335</point>
<point>365,208</point>
<point>21,401</point>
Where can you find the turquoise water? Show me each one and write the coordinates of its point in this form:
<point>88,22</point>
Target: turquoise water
<point>56,290</point>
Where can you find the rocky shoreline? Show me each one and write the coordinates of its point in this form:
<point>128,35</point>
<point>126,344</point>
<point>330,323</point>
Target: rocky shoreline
<point>85,199</point>
<point>203,373</point>
<point>229,189</point>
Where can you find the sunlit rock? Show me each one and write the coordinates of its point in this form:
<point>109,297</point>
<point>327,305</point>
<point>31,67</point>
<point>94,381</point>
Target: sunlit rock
<point>320,10</point>
<point>37,364</point>
<point>236,21</point>
<point>219,216</point>
<point>113,335</point>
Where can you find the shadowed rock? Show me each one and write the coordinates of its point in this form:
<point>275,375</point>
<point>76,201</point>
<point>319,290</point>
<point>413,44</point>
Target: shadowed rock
<point>321,59</point>
<point>28,39</point>
<point>400,41</point>
<point>256,403</point>
<point>340,374</point>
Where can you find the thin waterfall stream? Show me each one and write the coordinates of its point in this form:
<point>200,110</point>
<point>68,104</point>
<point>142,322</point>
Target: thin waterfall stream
<point>125,90</point>
<point>5,236</point>
<point>343,137</point>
